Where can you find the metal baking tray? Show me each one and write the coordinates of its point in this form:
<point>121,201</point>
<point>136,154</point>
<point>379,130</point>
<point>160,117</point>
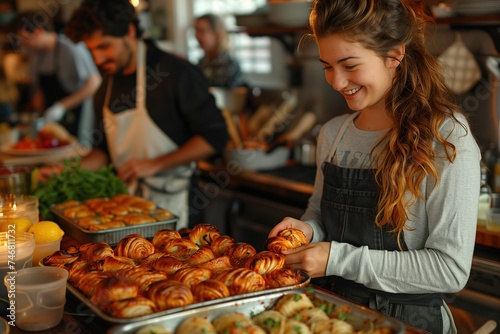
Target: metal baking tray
<point>146,318</point>
<point>113,235</point>
<point>255,305</point>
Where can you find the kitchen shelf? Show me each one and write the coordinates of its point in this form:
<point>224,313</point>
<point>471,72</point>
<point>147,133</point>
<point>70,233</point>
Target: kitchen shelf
<point>489,23</point>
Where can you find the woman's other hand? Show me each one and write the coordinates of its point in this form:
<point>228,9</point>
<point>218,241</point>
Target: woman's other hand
<point>311,258</point>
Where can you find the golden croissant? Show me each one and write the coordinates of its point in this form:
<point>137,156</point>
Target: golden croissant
<point>168,294</point>
<point>112,263</point>
<point>191,276</point>
<point>95,251</point>
<point>204,234</point>
<point>209,290</point>
<point>220,245</point>
<point>143,276</point>
<point>288,238</point>
<point>62,257</point>
<point>242,280</point>
<point>202,255</point>
<point>162,236</point>
<point>113,288</point>
<point>219,264</point>
<point>265,261</point>
<point>168,264</point>
<point>131,307</point>
<point>240,252</point>
<point>180,248</point>
<point>134,246</point>
<point>285,276</point>
<point>87,283</point>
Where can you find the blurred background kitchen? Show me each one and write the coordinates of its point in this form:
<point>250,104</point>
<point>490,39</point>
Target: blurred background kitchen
<point>285,80</point>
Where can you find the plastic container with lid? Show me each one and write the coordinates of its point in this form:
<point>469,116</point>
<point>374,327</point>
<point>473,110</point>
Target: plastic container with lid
<point>18,206</point>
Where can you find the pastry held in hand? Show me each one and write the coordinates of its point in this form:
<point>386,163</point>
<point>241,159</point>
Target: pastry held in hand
<point>288,238</point>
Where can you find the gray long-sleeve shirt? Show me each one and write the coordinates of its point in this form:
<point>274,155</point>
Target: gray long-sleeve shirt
<point>441,228</point>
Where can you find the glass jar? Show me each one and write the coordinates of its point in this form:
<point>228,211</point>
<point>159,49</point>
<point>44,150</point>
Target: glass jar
<point>18,206</point>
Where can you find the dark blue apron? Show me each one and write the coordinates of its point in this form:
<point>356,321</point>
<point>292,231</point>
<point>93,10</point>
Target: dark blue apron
<point>348,209</point>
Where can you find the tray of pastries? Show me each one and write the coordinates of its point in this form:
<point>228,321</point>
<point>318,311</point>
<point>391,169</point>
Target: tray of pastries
<point>110,219</point>
<point>139,279</point>
<point>307,310</point>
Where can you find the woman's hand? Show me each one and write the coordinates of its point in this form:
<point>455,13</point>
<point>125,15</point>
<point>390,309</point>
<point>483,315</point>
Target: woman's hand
<point>289,222</point>
<point>311,258</point>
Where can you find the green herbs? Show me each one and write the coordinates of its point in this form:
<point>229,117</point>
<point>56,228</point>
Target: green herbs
<point>76,183</point>
<point>272,323</point>
<point>297,298</point>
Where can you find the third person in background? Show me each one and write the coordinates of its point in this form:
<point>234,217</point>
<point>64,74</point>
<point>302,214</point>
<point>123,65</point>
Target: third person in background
<point>217,64</point>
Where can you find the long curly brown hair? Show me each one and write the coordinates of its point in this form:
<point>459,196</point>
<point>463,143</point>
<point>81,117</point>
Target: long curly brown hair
<point>418,101</point>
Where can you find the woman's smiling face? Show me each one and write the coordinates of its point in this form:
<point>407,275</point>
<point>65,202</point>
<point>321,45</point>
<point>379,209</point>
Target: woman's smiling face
<point>359,74</point>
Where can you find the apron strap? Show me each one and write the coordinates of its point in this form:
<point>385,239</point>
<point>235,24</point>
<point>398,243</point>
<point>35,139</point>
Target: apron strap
<point>340,134</point>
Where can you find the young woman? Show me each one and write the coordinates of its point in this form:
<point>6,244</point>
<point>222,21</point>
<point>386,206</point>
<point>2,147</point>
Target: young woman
<point>392,218</point>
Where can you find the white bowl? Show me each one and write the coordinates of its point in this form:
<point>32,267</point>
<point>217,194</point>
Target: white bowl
<point>289,13</point>
<point>257,159</point>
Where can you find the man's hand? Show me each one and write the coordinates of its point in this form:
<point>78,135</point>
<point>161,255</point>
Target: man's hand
<point>55,112</point>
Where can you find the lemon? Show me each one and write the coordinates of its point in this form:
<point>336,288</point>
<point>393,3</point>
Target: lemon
<point>21,224</point>
<point>46,231</point>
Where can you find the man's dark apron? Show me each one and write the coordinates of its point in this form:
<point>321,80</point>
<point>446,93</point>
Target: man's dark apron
<point>53,91</point>
<point>348,209</point>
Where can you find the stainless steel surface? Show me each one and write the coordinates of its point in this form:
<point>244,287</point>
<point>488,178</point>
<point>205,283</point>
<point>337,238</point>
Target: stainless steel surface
<point>18,181</point>
<point>147,318</point>
<point>113,235</point>
<point>254,305</point>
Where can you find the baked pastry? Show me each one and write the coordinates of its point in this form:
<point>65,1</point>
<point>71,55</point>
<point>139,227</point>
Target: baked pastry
<point>76,270</point>
<point>136,219</point>
<point>210,289</point>
<point>150,259</point>
<point>142,204</point>
<point>294,327</point>
<point>85,222</point>
<point>169,294</point>
<point>204,234</point>
<point>190,276</point>
<point>291,304</point>
<point>95,251</point>
<point>143,276</point>
<point>240,252</point>
<point>196,325</point>
<point>265,261</point>
<point>62,257</point>
<point>221,244</point>
<point>285,276</point>
<point>202,255</point>
<point>134,246</point>
<point>288,238</point>
<point>237,323</point>
<point>311,315</point>
<point>88,281</point>
<point>113,288</point>
<point>241,280</point>
<point>131,307</point>
<point>153,329</point>
<point>77,211</point>
<point>159,214</point>
<point>168,264</point>
<point>180,248</point>
<point>64,205</point>
<point>334,326</point>
<point>162,236</point>
<point>271,321</point>
<point>217,265</point>
<point>106,225</point>
<point>113,263</point>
